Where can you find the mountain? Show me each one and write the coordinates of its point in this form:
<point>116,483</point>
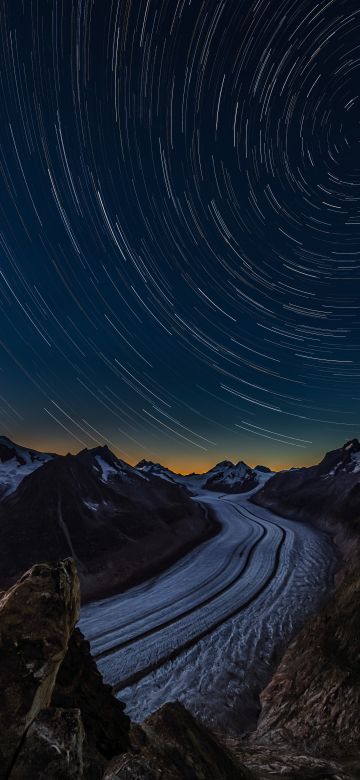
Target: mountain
<point>17,462</point>
<point>225,477</point>
<point>327,494</point>
<point>118,524</point>
<point>230,478</point>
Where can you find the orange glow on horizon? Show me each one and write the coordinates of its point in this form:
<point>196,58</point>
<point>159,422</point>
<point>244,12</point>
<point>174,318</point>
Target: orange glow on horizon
<point>179,465</point>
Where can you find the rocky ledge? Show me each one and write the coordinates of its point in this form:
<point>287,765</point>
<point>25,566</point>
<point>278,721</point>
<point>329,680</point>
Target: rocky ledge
<point>59,721</point>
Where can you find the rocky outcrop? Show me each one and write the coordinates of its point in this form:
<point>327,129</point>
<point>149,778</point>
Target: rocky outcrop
<point>283,762</point>
<point>57,718</point>
<point>172,745</point>
<point>58,721</point>
<point>37,617</point>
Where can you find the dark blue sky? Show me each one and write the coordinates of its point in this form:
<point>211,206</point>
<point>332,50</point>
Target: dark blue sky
<point>180,227</point>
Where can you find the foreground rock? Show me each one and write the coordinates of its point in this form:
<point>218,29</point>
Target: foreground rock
<point>57,718</point>
<point>172,745</point>
<point>37,617</point>
<point>58,721</point>
<point>276,762</point>
<point>79,684</point>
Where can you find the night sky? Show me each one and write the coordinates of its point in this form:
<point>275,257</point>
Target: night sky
<point>180,227</point>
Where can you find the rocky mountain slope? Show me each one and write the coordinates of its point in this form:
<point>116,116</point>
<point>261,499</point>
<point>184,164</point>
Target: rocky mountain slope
<point>230,478</point>
<point>118,524</point>
<point>327,494</point>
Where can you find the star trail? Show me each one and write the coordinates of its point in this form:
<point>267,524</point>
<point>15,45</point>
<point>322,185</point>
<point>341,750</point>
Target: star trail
<point>180,227</point>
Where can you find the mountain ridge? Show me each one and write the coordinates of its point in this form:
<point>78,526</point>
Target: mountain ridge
<point>119,525</point>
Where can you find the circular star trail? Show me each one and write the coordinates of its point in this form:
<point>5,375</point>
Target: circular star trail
<point>180,227</point>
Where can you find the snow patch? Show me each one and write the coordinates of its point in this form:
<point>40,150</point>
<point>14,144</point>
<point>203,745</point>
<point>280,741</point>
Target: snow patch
<point>105,469</point>
<point>93,505</point>
<point>12,473</point>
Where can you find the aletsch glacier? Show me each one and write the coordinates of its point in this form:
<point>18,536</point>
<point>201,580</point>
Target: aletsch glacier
<point>210,630</point>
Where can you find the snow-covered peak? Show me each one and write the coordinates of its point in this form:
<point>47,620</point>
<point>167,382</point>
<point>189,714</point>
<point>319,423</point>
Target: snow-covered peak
<point>157,470</point>
<point>16,462</point>
<point>232,478</point>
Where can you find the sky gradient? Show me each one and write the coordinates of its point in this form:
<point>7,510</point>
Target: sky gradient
<point>180,228</point>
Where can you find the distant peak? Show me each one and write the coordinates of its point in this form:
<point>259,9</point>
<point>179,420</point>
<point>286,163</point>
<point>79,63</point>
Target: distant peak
<point>143,463</point>
<point>102,450</point>
<point>224,464</point>
<point>151,466</point>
